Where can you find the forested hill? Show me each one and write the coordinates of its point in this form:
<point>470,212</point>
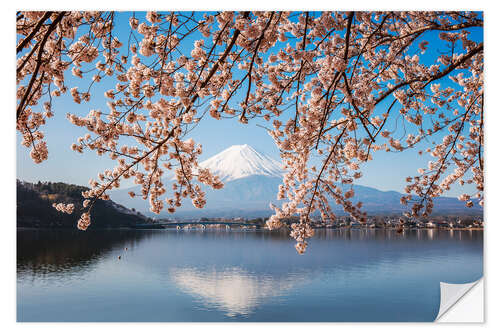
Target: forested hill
<point>34,208</point>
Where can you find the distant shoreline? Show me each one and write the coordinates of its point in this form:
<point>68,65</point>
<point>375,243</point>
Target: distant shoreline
<point>237,228</point>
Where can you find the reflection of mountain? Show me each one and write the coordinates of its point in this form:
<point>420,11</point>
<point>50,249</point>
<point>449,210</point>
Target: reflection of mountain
<point>218,275</point>
<point>251,181</point>
<point>232,290</point>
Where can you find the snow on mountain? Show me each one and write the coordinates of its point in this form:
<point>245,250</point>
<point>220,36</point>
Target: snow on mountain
<point>251,182</point>
<point>240,161</point>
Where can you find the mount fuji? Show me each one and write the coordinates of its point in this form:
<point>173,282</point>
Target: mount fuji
<point>251,181</point>
<point>250,178</point>
<point>242,161</point>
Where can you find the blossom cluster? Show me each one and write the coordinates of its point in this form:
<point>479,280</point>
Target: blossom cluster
<point>65,208</point>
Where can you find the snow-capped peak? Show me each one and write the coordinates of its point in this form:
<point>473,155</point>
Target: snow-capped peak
<point>240,161</point>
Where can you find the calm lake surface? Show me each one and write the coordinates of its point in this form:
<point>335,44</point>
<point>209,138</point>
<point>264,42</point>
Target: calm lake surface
<point>219,275</point>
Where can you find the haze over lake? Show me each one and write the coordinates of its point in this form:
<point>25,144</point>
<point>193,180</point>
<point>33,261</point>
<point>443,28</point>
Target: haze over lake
<point>219,275</point>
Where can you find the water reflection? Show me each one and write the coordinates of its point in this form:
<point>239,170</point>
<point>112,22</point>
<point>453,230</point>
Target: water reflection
<point>211,275</point>
<point>45,252</point>
<point>232,290</point>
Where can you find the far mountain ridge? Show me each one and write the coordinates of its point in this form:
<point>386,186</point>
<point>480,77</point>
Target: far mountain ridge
<point>251,181</point>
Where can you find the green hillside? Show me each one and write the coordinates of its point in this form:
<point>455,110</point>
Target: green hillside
<point>34,208</point>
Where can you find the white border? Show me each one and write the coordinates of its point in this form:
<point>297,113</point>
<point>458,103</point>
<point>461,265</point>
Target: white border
<point>8,276</point>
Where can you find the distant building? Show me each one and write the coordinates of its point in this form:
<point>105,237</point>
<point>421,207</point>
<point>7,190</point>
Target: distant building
<point>430,224</point>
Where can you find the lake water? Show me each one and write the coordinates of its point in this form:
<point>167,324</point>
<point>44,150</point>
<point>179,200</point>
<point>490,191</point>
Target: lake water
<point>219,275</point>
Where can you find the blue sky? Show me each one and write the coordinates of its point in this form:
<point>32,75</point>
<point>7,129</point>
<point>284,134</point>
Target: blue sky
<point>386,172</point>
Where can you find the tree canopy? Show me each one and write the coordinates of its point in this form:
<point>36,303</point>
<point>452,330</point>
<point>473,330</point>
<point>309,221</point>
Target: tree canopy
<point>328,83</point>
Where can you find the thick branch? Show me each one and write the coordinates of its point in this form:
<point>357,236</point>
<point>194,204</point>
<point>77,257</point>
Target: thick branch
<point>463,59</point>
<point>38,63</point>
<point>28,39</point>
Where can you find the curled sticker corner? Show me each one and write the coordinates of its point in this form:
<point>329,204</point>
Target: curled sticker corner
<point>451,293</point>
